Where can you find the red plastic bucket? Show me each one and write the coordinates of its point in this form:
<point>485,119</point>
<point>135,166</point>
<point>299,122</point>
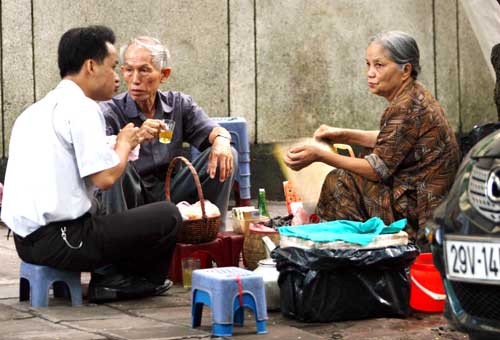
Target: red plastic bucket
<point>427,292</point>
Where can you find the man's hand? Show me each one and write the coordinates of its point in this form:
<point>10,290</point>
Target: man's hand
<point>128,135</point>
<point>126,140</point>
<point>220,155</point>
<point>150,129</point>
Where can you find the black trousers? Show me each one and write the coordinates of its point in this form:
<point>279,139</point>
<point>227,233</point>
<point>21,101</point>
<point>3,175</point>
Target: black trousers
<point>138,241</point>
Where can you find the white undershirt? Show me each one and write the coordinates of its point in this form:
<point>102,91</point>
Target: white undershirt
<point>55,144</point>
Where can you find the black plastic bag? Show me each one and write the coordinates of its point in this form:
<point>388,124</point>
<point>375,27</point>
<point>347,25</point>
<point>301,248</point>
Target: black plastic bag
<point>320,285</point>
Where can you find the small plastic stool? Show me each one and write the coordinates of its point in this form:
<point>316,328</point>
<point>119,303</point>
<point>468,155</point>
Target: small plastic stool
<point>232,246</point>
<point>227,291</point>
<point>35,282</point>
<point>214,249</point>
<point>237,127</point>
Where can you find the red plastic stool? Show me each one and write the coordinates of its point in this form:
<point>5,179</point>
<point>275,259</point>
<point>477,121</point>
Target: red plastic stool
<point>232,244</point>
<point>214,249</point>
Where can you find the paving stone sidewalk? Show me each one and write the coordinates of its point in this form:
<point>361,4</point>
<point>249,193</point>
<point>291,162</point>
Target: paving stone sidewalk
<point>169,316</point>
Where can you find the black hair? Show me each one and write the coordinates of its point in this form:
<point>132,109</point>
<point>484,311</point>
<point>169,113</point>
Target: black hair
<point>80,44</point>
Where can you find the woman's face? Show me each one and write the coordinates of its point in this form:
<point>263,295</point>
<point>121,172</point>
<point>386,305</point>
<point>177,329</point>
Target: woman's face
<point>385,77</point>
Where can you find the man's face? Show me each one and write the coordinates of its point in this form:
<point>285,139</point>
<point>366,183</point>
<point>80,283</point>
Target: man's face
<point>141,77</point>
<point>106,76</point>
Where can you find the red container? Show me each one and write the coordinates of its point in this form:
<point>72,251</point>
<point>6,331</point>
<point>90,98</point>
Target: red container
<point>427,292</point>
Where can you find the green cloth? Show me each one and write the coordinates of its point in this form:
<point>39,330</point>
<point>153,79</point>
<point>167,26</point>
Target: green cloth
<point>343,230</point>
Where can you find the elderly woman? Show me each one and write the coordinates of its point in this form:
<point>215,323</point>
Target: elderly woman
<point>413,157</point>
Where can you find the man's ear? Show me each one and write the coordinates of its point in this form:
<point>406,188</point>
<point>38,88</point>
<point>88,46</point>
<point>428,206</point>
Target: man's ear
<point>88,66</point>
<point>165,73</point>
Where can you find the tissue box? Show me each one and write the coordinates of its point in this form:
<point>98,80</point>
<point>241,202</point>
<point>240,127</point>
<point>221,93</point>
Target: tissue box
<point>242,213</point>
<point>243,216</point>
<point>241,226</point>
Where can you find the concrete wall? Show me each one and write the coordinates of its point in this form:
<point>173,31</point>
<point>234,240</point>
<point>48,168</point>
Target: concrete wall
<point>285,65</point>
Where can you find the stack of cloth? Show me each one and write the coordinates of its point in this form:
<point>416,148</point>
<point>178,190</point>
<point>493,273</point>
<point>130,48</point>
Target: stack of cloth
<point>342,234</point>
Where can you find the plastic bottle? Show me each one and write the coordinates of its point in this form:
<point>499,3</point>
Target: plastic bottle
<point>262,205</point>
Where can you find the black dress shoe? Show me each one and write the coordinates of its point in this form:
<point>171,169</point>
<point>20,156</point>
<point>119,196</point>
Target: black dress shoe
<point>121,287</point>
<point>164,287</point>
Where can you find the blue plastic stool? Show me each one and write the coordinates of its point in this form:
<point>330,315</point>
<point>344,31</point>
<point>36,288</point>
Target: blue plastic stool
<point>35,282</point>
<point>237,127</point>
<point>227,291</point>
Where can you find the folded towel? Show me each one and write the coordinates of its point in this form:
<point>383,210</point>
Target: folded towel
<point>344,230</point>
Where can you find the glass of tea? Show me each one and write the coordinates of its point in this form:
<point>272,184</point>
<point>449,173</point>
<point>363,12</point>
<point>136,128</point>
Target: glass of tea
<point>167,131</point>
<point>189,264</point>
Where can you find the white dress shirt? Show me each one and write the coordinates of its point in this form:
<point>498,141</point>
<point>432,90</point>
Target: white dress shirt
<point>55,144</point>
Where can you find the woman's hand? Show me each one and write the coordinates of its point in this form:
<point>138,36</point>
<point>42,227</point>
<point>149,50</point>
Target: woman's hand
<point>329,134</point>
<point>298,157</point>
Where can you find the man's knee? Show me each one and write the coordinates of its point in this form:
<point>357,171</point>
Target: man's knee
<point>235,163</point>
<point>168,217</point>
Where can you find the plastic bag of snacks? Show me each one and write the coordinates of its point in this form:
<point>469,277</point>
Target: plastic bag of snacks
<point>193,211</point>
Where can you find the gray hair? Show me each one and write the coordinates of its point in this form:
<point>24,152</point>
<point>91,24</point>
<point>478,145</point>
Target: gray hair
<point>402,49</point>
<point>159,53</point>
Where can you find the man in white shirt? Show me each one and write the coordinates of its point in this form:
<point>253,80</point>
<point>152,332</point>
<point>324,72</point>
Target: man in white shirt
<point>63,137</point>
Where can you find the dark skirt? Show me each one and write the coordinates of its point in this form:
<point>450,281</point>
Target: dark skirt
<point>347,196</point>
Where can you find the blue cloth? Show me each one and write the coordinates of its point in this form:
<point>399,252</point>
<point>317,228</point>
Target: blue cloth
<point>343,230</point>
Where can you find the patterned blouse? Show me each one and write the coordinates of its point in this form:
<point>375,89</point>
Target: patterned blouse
<point>416,157</point>
<point>416,152</point>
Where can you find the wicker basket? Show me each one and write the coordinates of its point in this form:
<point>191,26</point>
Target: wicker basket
<point>194,231</point>
<point>253,246</point>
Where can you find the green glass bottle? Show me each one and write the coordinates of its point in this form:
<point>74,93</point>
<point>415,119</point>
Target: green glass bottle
<point>262,205</point>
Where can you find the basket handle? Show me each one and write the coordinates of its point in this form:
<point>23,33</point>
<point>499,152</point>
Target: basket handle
<point>196,181</point>
<point>337,146</point>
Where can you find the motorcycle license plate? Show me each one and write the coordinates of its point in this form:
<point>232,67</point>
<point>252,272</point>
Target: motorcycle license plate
<point>473,259</point>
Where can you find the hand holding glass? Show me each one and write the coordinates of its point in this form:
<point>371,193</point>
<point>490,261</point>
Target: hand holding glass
<point>167,131</point>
